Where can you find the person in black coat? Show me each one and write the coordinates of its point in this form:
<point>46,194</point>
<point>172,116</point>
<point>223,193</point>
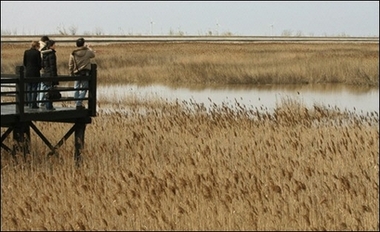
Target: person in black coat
<point>32,64</point>
<point>41,95</point>
<point>49,64</point>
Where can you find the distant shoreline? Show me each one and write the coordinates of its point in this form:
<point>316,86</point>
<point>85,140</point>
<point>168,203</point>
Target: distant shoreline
<point>254,63</point>
<point>153,38</point>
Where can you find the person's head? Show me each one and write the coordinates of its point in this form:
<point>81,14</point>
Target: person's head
<point>35,45</point>
<point>80,42</point>
<point>44,38</point>
<point>50,44</point>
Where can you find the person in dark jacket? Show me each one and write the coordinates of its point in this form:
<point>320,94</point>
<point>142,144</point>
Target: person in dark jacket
<point>49,64</point>
<point>41,95</point>
<point>32,64</point>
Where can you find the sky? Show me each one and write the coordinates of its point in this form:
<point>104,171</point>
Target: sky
<point>197,18</point>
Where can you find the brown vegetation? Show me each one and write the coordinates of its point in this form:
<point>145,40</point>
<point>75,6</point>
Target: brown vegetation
<point>223,63</point>
<point>162,165</point>
<point>179,166</point>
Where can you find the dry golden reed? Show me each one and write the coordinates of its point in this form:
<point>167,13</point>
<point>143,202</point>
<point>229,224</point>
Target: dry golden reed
<point>187,63</point>
<point>179,166</point>
<point>158,165</point>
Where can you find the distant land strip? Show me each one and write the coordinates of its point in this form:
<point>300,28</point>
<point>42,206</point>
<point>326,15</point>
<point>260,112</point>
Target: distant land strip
<point>153,38</point>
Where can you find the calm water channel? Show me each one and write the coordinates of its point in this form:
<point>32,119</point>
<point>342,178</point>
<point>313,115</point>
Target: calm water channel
<point>352,98</point>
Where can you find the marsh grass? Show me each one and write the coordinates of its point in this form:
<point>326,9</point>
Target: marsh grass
<point>179,166</point>
<point>222,63</point>
<point>159,165</point>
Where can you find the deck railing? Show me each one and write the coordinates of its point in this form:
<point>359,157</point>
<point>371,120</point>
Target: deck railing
<point>13,89</point>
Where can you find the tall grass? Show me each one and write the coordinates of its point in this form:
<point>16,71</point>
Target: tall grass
<point>180,166</point>
<point>223,63</point>
<point>159,165</point>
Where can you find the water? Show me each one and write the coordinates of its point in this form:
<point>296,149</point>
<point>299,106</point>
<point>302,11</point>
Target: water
<point>352,98</point>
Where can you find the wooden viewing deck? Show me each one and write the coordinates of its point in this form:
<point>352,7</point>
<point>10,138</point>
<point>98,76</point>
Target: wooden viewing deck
<point>18,118</point>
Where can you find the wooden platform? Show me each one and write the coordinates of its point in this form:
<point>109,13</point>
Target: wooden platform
<point>60,114</point>
<point>18,118</point>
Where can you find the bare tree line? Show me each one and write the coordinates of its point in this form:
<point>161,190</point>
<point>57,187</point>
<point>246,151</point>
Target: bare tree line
<point>73,30</point>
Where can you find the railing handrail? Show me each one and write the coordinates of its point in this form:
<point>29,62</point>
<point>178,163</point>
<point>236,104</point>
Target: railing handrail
<point>19,91</point>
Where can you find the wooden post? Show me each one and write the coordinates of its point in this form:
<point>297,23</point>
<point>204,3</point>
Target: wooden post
<point>21,137</point>
<point>80,128</point>
<point>92,90</point>
<point>20,88</point>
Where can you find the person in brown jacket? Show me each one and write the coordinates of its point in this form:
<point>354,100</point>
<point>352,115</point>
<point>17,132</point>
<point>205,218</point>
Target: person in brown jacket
<point>80,65</point>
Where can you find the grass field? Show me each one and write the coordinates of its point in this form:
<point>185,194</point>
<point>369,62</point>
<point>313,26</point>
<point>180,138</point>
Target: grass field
<point>158,165</point>
<point>178,166</point>
<point>222,63</point>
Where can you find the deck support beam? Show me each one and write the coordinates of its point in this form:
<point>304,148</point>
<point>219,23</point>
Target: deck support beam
<point>80,128</point>
<point>21,137</point>
<point>22,141</point>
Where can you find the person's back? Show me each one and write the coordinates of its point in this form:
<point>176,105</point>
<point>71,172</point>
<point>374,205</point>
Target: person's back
<point>32,64</point>
<point>49,63</point>
<point>80,58</point>
<point>80,65</point>
<point>42,42</point>
<point>49,67</point>
<point>32,61</point>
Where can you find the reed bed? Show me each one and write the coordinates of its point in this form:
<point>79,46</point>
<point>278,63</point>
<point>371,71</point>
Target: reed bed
<point>188,63</point>
<point>161,165</point>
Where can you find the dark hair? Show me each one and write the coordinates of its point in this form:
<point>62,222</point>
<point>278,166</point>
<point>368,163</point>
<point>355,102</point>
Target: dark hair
<point>50,43</point>
<point>44,38</point>
<point>80,42</point>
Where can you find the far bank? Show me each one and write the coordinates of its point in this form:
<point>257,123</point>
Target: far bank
<point>187,63</point>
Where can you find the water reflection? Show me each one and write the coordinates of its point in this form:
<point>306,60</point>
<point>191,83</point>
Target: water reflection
<point>352,98</point>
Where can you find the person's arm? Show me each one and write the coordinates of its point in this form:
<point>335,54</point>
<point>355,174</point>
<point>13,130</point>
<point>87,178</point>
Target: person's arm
<point>71,65</point>
<point>39,60</point>
<point>24,60</point>
<point>53,64</point>
<point>91,52</point>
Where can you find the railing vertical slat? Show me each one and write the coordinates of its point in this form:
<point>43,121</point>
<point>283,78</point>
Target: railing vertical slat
<point>20,89</point>
<point>92,90</point>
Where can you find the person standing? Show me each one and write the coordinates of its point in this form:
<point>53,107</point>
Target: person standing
<point>49,63</point>
<point>32,64</point>
<point>43,41</point>
<point>80,65</point>
<point>41,95</point>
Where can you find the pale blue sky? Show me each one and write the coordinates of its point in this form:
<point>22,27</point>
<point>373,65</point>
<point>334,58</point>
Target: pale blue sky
<point>244,18</point>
